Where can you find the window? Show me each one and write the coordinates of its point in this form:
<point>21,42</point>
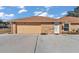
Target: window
<point>66,27</point>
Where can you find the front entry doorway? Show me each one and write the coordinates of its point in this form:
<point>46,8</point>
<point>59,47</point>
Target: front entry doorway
<point>56,28</point>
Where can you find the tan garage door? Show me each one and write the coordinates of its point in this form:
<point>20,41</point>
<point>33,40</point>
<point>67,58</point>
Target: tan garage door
<point>28,29</point>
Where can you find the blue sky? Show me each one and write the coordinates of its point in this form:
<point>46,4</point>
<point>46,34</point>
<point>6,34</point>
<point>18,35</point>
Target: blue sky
<point>14,12</point>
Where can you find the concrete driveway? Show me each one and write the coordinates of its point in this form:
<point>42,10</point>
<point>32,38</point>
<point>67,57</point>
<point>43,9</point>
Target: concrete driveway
<point>58,44</point>
<point>17,43</point>
<point>12,43</point>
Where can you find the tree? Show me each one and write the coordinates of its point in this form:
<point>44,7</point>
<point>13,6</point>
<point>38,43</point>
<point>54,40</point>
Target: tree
<point>74,13</point>
<point>76,9</point>
<point>1,21</point>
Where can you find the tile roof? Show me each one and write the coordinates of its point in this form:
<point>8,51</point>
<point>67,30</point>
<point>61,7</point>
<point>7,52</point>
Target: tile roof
<point>47,19</point>
<point>36,19</point>
<point>69,19</point>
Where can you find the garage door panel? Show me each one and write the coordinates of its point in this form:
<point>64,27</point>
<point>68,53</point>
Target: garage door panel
<point>28,29</point>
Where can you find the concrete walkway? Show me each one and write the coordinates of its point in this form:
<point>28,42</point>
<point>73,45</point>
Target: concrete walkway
<point>12,43</point>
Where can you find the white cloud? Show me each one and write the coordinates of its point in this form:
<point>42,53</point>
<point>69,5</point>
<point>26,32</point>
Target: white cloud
<point>46,14</point>
<point>22,7</point>
<point>22,11</point>
<point>5,16</point>
<point>1,7</point>
<point>64,13</point>
<point>58,17</point>
<point>47,7</point>
<point>37,13</point>
<point>51,15</point>
<point>1,14</point>
<point>43,14</point>
<point>10,15</point>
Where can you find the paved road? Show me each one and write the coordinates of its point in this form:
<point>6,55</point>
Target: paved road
<point>11,43</point>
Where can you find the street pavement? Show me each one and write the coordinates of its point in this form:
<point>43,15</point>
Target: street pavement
<point>15,43</point>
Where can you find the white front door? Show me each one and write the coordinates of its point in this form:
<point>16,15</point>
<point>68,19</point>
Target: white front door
<point>56,29</point>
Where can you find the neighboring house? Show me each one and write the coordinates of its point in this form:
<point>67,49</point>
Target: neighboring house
<point>69,24</point>
<point>44,25</point>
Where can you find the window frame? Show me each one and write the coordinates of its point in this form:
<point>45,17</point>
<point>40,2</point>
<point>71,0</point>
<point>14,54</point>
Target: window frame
<point>66,27</point>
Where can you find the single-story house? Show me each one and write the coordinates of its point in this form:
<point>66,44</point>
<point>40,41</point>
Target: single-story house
<point>44,25</point>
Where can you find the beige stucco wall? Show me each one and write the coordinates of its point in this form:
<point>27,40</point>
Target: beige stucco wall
<point>13,28</point>
<point>47,28</point>
<point>74,27</point>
